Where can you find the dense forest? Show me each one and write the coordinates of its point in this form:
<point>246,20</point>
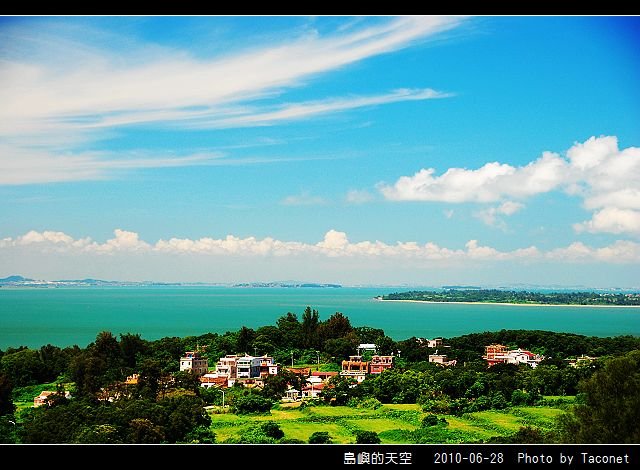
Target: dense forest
<point>168,406</point>
<point>517,297</point>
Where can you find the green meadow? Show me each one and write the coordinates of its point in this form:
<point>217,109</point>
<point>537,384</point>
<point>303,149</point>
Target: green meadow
<point>393,423</point>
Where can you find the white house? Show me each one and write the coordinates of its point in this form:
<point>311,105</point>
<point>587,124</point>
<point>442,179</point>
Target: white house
<point>194,362</point>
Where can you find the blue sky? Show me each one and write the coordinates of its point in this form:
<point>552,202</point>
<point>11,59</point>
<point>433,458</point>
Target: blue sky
<point>419,150</point>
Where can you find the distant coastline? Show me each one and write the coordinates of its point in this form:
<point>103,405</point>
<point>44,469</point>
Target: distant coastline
<point>511,297</point>
<point>380,299</point>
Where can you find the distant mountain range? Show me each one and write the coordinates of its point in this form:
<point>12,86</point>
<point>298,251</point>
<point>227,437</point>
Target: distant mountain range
<point>20,281</point>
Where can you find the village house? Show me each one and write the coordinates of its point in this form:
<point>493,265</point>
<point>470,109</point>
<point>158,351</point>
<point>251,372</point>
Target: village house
<point>214,380</point>
<point>581,361</point>
<point>366,347</point>
<point>301,371</point>
<point>312,391</point>
<point>324,376</point>
<point>379,364</point>
<point>498,353</point>
<point>250,370</point>
<point>227,367</point>
<point>194,362</point>
<point>441,360</point>
<point>355,367</point>
<point>44,397</point>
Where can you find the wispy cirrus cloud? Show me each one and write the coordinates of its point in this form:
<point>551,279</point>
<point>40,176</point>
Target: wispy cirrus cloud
<point>59,101</point>
<point>334,244</point>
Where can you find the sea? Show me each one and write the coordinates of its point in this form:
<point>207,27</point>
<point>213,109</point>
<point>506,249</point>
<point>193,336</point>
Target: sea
<point>66,316</point>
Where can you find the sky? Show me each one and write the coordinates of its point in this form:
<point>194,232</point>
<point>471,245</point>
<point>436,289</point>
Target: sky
<point>355,150</point>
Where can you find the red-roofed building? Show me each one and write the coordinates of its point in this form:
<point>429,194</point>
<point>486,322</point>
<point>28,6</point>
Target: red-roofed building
<point>312,391</point>
<point>498,353</point>
<point>302,371</point>
<point>379,364</point>
<point>324,376</point>
<point>213,380</point>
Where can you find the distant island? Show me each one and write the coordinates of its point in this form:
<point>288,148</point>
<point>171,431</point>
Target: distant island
<point>511,297</point>
<point>291,284</point>
<point>20,281</point>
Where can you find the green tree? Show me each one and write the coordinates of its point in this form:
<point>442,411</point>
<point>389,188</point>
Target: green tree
<point>611,412</point>
<point>320,437</point>
<point>309,327</point>
<point>341,348</point>
<point>6,389</point>
<point>201,435</point>
<point>272,430</point>
<point>275,386</point>
<point>149,379</point>
<point>24,367</point>
<point>251,403</point>
<point>246,336</point>
<point>289,330</point>
<point>341,390</point>
<point>99,434</point>
<point>367,437</point>
<point>144,431</point>
<point>187,380</point>
<point>107,349</point>
<point>336,326</point>
<point>88,373</point>
<point>131,346</point>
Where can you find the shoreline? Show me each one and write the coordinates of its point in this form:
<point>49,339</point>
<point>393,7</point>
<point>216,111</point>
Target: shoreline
<point>504,303</point>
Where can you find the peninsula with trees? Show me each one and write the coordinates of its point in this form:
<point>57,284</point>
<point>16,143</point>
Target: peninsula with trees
<point>512,297</point>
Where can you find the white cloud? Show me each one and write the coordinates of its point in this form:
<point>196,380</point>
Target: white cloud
<point>296,111</point>
<point>605,177</point>
<point>63,92</point>
<point>358,196</point>
<point>490,216</point>
<point>489,183</point>
<point>620,252</point>
<point>303,199</point>
<point>611,220</point>
<point>335,244</point>
<point>24,166</point>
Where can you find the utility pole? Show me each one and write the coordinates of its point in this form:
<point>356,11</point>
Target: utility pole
<point>291,358</point>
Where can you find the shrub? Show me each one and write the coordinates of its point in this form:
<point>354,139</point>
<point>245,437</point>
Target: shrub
<point>320,437</point>
<point>367,437</point>
<point>271,429</point>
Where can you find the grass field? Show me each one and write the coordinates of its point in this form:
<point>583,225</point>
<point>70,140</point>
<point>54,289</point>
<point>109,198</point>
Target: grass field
<point>394,423</point>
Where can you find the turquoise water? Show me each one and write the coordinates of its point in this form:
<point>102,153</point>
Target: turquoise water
<point>67,316</point>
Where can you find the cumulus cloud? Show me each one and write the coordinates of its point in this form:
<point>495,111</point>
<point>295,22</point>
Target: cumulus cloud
<point>604,176</point>
<point>333,245</point>
<point>611,220</point>
<point>489,183</point>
